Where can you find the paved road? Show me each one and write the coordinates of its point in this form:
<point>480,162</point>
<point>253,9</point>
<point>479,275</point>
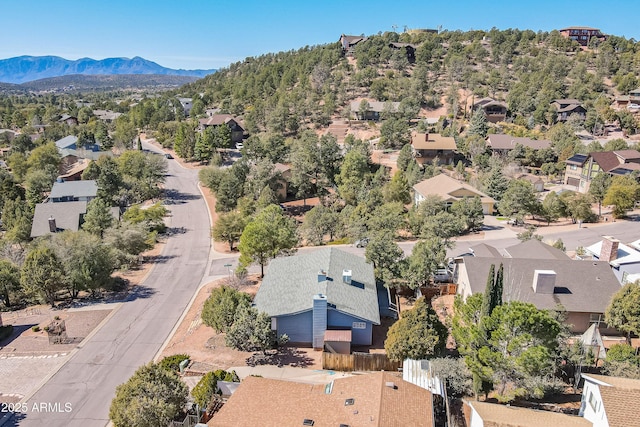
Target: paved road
<point>138,329</point>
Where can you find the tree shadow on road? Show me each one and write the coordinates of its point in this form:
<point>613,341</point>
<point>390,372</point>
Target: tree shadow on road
<point>140,291</point>
<point>14,419</point>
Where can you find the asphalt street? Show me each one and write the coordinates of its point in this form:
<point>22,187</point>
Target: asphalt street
<point>80,393</point>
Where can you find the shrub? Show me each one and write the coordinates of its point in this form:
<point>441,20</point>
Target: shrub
<point>172,363</point>
<point>35,328</point>
<point>208,386</point>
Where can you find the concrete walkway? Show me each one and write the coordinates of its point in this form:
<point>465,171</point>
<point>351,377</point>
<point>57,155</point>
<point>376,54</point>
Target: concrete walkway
<point>301,375</point>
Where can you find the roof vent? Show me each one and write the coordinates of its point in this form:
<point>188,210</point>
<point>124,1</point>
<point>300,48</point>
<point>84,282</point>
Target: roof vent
<point>544,281</point>
<point>349,402</point>
<point>322,276</point>
<point>346,276</point>
<point>308,422</point>
<point>391,384</point>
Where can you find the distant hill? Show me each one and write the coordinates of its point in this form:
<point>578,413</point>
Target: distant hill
<point>23,69</point>
<point>92,83</point>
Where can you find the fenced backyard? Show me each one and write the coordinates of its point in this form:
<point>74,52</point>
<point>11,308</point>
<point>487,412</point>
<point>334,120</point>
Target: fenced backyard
<point>358,362</point>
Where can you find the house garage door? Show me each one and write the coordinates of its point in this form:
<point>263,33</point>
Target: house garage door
<point>573,181</point>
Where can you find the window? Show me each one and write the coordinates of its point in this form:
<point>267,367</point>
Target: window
<point>359,325</point>
<point>573,167</point>
<point>598,319</point>
<point>592,401</point>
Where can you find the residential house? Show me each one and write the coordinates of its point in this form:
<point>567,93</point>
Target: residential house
<point>285,179</point>
<point>69,120</point>
<point>349,43</point>
<point>496,111</point>
<point>73,191</point>
<point>374,399</point>
<point>539,274</point>
<point>233,123</point>
<point>70,142</point>
<point>430,146</point>
<point>535,180</point>
<point>582,34</point>
<point>624,260</point>
<point>483,414</point>
<point>107,116</point>
<point>187,104</point>
<point>57,217</point>
<point>566,107</point>
<point>308,295</point>
<point>75,160</point>
<point>450,190</point>
<point>582,168</point>
<point>631,101</point>
<point>409,49</point>
<point>610,401</point>
<point>374,109</point>
<point>501,144</point>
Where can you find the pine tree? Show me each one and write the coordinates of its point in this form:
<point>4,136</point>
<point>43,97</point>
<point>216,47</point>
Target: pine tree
<point>478,124</point>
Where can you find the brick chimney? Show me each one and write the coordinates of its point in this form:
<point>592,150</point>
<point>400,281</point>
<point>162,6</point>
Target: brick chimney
<point>426,137</point>
<point>609,250</point>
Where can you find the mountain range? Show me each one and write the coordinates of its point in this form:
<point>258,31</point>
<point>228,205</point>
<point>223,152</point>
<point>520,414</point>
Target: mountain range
<point>23,69</point>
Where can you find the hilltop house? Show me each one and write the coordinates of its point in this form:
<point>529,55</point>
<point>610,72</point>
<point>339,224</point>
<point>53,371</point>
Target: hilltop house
<point>566,107</point>
<point>349,43</point>
<point>187,104</point>
<point>316,296</point>
<point>610,401</point>
<point>582,34</point>
<point>373,399</point>
<point>495,111</point>
<point>233,123</point>
<point>546,277</point>
<point>409,50</point>
<point>582,168</point>
<point>450,190</point>
<point>429,146</point>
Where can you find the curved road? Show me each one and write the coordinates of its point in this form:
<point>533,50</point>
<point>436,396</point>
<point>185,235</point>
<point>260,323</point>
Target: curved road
<point>139,327</point>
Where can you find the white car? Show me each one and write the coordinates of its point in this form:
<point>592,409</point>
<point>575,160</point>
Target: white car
<point>239,145</point>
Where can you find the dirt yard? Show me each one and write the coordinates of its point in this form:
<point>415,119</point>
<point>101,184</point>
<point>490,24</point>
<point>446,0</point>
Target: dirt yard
<point>207,347</point>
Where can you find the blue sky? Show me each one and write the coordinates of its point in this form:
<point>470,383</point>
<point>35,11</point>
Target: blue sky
<point>212,34</point>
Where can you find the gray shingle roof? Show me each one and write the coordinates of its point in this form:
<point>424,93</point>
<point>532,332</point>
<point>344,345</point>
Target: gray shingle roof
<point>534,249</point>
<point>291,282</point>
<point>76,189</point>
<point>581,286</point>
<point>67,216</point>
<point>67,141</point>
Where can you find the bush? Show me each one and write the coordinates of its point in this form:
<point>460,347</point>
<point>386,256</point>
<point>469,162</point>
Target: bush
<point>220,308</point>
<point>172,363</point>
<point>207,386</point>
<point>153,396</point>
<point>455,374</point>
<point>35,328</point>
<point>5,331</point>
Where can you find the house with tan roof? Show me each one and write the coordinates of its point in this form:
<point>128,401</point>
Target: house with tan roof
<point>582,168</point>
<point>430,146</point>
<point>375,399</point>
<point>544,276</point>
<point>610,401</point>
<point>450,190</point>
<point>483,414</point>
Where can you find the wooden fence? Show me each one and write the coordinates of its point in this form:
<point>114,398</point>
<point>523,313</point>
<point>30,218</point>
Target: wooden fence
<point>358,362</point>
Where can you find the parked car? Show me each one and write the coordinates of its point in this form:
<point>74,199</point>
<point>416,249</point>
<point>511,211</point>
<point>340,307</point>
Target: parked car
<point>362,243</point>
<point>168,156</point>
<point>239,145</point>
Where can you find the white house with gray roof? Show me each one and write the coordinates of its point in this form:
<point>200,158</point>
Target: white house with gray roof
<point>74,191</point>
<point>310,294</point>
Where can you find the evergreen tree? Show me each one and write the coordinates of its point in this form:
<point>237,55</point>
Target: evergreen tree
<point>478,124</point>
